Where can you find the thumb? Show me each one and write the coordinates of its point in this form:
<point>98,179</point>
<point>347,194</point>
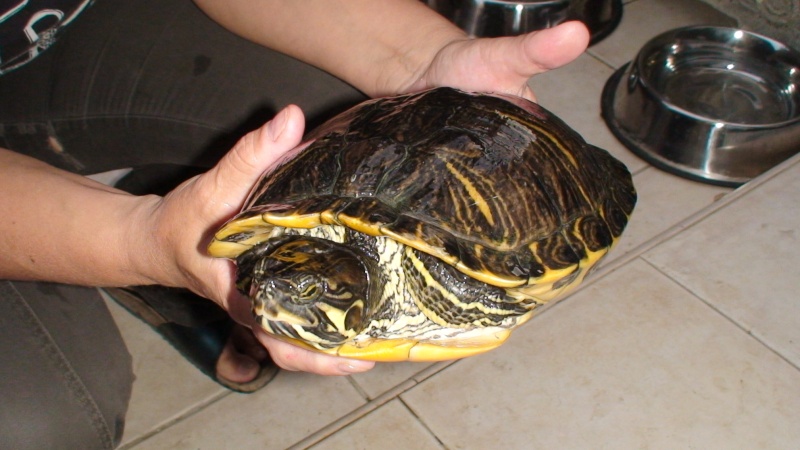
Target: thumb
<point>552,47</point>
<point>257,152</point>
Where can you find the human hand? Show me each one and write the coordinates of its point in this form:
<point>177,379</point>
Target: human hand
<point>187,217</point>
<point>503,64</point>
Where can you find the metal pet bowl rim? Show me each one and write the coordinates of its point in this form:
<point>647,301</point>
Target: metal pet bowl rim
<point>645,83</point>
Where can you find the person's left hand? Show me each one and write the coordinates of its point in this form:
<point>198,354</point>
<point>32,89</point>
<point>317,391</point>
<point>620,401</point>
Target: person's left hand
<point>184,221</point>
<point>503,64</point>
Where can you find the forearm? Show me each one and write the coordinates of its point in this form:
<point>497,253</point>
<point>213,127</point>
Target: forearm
<point>381,47</point>
<point>62,227</point>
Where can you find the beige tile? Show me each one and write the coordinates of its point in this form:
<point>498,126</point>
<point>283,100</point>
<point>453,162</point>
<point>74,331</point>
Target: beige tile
<point>744,260</point>
<point>573,94</point>
<point>290,408</point>
<point>633,361</point>
<point>166,385</point>
<point>664,200</point>
<point>645,19</point>
<point>385,376</point>
<point>392,426</point>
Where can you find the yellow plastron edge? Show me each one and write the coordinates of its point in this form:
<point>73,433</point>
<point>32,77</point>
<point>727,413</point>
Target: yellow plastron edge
<point>260,227</point>
<point>397,350</point>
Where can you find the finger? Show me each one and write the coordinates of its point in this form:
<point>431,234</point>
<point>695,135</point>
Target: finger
<point>521,57</point>
<point>293,358</point>
<point>258,151</point>
<point>551,48</point>
<point>219,194</point>
<point>505,64</point>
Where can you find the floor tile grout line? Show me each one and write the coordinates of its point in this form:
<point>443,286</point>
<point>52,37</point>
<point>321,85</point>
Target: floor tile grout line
<point>363,393</point>
<point>602,272</point>
<point>674,230</point>
<point>422,422</point>
<point>353,416</point>
<point>613,265</point>
<point>601,60</point>
<point>687,223</point>
<point>371,405</point>
<point>429,372</point>
<point>738,324</point>
<point>180,417</point>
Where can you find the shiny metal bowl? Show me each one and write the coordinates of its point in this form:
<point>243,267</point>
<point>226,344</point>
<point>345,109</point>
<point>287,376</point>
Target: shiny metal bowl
<point>491,18</point>
<point>601,17</point>
<point>713,104</point>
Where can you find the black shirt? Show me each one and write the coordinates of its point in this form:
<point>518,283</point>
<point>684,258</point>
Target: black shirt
<point>28,27</point>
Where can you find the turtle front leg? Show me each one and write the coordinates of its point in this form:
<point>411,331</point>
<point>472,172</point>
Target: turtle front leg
<point>455,300</point>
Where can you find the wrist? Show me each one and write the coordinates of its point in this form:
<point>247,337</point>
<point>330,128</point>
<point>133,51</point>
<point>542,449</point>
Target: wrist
<point>410,68</point>
<point>148,242</point>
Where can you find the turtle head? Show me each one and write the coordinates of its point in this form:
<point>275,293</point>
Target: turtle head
<point>308,288</point>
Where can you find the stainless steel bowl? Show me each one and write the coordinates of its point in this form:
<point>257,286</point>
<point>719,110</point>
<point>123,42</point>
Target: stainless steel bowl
<point>490,18</point>
<point>714,104</point>
<point>600,16</point>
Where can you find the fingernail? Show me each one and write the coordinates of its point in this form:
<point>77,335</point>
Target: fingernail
<point>355,366</point>
<point>278,124</point>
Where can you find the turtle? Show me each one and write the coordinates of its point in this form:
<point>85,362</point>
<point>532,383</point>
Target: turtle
<point>425,226</point>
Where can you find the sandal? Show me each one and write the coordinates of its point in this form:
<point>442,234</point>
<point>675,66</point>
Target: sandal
<point>194,326</point>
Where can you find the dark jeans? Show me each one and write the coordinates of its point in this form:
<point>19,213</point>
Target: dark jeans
<point>131,84</point>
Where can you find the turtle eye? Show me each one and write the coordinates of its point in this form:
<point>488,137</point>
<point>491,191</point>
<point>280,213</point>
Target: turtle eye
<point>309,288</point>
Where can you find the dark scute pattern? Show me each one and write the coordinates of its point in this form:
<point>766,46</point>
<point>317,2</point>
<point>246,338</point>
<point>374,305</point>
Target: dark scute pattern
<point>515,264</point>
<point>314,172</point>
<point>594,232</point>
<point>455,169</point>
<point>556,252</point>
<point>366,163</point>
<point>364,208</point>
<point>615,217</point>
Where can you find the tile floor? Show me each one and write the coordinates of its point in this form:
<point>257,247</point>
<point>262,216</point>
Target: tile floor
<point>688,336</point>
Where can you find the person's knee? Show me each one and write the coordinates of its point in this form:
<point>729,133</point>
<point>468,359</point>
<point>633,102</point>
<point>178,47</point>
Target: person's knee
<point>29,422</point>
<point>65,373</point>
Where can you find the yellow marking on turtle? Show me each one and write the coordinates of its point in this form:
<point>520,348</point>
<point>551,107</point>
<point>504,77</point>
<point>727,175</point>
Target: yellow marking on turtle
<point>338,316</point>
<point>405,349</point>
<point>489,278</point>
<point>230,250</point>
<point>292,257</point>
<point>445,293</point>
<point>257,229</point>
<point>474,194</point>
<point>552,138</point>
<point>393,350</point>
<point>293,220</point>
<point>486,277</point>
<point>242,225</point>
<point>543,288</point>
<point>358,224</point>
<point>282,315</point>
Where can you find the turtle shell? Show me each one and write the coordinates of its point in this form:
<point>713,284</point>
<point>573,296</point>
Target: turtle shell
<point>493,185</point>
